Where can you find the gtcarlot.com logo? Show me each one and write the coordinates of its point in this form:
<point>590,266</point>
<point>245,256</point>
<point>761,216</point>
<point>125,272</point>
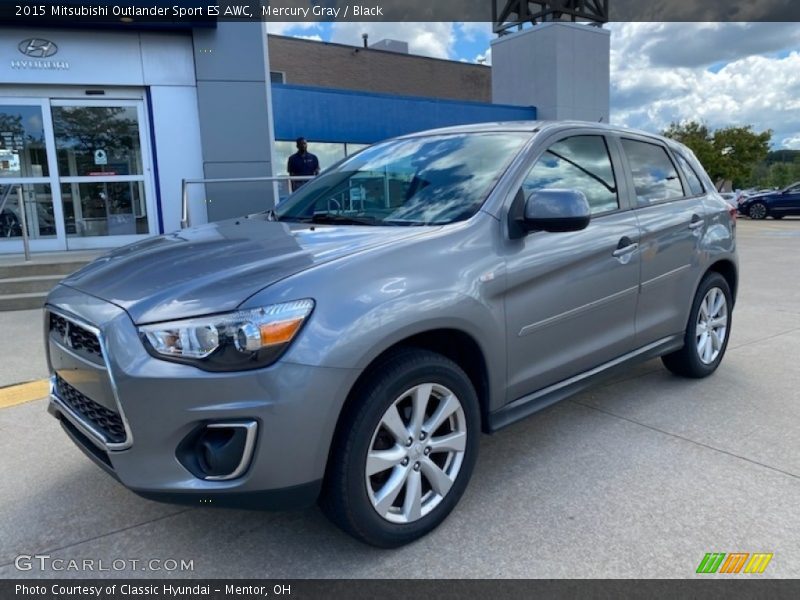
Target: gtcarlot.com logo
<point>735,562</point>
<point>44,562</point>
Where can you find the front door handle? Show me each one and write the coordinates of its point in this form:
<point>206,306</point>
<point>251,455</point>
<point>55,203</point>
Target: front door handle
<point>626,246</point>
<point>696,222</point>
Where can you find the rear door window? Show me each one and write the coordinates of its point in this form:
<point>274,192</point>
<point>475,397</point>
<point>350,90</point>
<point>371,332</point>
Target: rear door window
<point>655,177</point>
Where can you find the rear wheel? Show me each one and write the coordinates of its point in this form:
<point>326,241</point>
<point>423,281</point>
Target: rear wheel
<point>707,331</point>
<point>757,210</point>
<point>405,450</point>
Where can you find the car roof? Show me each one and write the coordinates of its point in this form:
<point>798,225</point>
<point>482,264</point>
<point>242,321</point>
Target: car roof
<point>536,126</point>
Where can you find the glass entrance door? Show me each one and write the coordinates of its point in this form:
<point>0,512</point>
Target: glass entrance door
<point>103,171</point>
<point>27,164</point>
<point>79,169</point>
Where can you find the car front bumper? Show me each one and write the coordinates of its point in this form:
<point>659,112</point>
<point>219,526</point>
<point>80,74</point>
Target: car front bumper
<point>159,404</point>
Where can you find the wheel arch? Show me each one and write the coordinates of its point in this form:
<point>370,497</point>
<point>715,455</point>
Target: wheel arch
<point>728,270</point>
<point>455,344</point>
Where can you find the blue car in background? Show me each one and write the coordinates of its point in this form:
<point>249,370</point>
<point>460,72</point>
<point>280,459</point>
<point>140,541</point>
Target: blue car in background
<point>777,204</point>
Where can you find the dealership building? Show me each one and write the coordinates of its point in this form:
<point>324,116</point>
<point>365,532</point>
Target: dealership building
<point>100,127</point>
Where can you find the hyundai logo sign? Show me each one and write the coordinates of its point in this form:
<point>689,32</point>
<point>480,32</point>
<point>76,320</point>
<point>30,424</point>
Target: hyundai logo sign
<point>37,48</point>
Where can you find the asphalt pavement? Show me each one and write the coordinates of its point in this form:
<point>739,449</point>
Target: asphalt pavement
<point>639,477</point>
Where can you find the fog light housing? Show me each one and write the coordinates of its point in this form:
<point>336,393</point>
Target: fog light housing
<point>219,451</point>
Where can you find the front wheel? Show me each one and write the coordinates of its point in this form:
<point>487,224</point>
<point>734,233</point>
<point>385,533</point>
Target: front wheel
<point>757,210</point>
<point>707,331</point>
<point>405,450</point>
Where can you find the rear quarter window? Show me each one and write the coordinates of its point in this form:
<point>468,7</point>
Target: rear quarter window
<point>695,185</point>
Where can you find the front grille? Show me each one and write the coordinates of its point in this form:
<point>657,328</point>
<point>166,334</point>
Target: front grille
<point>77,338</point>
<point>104,420</point>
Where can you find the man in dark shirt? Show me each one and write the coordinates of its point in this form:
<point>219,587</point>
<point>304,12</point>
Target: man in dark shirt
<point>302,163</point>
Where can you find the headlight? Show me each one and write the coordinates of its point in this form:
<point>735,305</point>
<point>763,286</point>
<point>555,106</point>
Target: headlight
<point>235,341</point>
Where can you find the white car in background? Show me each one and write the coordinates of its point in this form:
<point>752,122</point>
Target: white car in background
<point>730,197</point>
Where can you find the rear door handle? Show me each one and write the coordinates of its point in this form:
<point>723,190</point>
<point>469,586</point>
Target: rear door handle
<point>626,246</point>
<point>696,222</point>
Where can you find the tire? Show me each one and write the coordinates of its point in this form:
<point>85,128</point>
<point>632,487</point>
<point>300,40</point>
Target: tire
<point>700,356</point>
<point>9,225</point>
<point>359,503</point>
<point>758,211</point>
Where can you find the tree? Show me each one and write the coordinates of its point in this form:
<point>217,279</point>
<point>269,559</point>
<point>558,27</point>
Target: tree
<point>697,137</point>
<point>741,149</point>
<point>728,154</point>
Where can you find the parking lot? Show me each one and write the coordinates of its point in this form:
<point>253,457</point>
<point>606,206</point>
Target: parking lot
<point>638,477</point>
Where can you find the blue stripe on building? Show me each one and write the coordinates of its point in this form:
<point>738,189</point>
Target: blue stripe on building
<point>332,115</point>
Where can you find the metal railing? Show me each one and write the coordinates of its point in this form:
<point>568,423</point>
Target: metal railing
<point>23,217</point>
<point>186,220</point>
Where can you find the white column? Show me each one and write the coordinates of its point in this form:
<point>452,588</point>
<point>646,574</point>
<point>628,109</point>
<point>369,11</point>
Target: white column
<point>560,68</point>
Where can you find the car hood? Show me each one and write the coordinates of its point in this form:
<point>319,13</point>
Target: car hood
<point>214,268</point>
<point>758,197</point>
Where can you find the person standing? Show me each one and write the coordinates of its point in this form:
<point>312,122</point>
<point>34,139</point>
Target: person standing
<point>302,163</point>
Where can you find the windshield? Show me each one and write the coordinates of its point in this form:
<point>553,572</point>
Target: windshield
<point>430,180</point>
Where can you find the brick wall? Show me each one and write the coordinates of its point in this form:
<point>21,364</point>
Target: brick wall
<point>306,62</point>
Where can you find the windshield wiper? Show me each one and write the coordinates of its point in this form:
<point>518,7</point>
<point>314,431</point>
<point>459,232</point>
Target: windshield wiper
<point>406,222</point>
<point>342,219</point>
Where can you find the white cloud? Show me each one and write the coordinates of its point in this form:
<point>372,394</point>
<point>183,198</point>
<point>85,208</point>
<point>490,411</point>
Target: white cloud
<point>475,31</point>
<point>753,83</point>
<point>293,28</point>
<point>425,39</point>
<point>485,58</point>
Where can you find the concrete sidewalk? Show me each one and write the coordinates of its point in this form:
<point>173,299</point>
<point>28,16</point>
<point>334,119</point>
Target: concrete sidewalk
<point>23,356</point>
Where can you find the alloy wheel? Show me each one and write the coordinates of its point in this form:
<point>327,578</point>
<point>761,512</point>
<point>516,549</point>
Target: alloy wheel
<point>758,211</point>
<point>416,453</point>
<point>712,325</point>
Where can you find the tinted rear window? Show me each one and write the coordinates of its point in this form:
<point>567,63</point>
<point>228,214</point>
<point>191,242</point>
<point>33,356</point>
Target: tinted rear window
<point>695,185</point>
<point>654,176</point>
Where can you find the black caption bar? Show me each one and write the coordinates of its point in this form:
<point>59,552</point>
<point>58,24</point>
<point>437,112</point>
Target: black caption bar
<point>199,12</point>
<point>84,589</point>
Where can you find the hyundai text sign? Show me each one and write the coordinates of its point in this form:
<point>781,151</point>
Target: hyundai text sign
<point>37,49</point>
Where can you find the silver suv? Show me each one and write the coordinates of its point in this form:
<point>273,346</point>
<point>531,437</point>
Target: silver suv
<point>351,345</point>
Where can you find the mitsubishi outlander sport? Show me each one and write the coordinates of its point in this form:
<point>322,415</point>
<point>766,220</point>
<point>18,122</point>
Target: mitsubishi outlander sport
<point>350,346</point>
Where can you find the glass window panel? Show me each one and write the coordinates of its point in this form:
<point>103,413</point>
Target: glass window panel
<point>427,180</point>
<point>691,176</point>
<point>328,154</point>
<point>353,148</point>
<point>578,163</point>
<point>654,175</point>
<point>97,140</point>
<point>22,146</point>
<point>104,208</point>
<point>38,200</point>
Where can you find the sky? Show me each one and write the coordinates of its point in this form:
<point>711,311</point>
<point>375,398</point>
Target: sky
<point>719,73</point>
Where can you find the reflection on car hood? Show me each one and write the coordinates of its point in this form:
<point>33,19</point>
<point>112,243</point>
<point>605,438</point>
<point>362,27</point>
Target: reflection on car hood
<point>214,268</point>
<point>763,196</point>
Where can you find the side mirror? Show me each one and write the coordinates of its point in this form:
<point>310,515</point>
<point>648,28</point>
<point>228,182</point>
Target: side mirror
<point>556,210</point>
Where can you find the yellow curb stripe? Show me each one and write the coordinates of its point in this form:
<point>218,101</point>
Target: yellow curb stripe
<point>24,392</point>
